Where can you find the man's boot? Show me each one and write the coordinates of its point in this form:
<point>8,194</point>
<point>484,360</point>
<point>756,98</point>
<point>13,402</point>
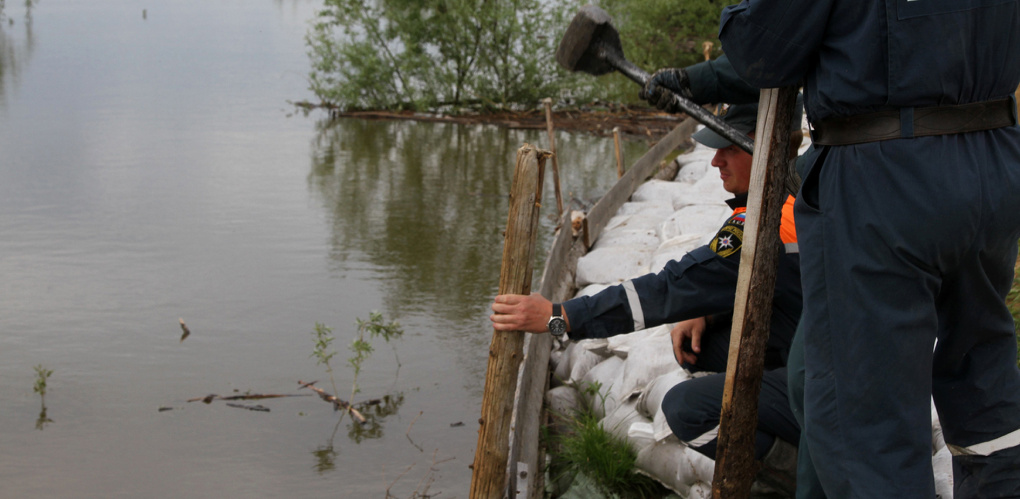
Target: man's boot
<point>777,477</point>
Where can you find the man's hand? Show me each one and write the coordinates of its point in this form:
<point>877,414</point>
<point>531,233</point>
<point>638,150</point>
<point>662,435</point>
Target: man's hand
<point>659,89</point>
<point>687,330</point>
<point>528,313</point>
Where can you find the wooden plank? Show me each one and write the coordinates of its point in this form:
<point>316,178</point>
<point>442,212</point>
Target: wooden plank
<point>600,214</point>
<point>735,464</point>
<point>488,479</point>
<point>558,285</point>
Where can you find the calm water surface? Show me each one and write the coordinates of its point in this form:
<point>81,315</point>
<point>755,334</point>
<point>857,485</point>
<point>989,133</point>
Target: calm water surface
<point>151,170</point>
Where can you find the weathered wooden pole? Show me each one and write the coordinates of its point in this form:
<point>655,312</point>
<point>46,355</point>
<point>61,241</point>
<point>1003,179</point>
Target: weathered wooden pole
<point>735,465</point>
<point>619,157</point>
<point>552,147</point>
<point>488,479</point>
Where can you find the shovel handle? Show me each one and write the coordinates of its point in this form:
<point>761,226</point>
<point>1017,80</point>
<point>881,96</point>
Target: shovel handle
<point>693,110</point>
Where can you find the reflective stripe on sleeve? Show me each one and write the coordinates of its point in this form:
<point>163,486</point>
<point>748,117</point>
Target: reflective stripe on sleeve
<point>704,439</point>
<point>989,447</point>
<point>791,248</point>
<point>635,305</point>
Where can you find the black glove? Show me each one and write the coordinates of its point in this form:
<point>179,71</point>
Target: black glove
<point>659,89</point>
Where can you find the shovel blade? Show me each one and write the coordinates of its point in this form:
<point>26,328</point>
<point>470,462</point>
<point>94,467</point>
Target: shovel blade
<point>588,39</point>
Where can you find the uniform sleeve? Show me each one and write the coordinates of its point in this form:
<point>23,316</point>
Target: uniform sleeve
<point>716,81</point>
<point>701,283</point>
<point>772,43</point>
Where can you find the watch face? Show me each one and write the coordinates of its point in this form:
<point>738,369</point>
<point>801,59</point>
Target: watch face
<point>557,326</point>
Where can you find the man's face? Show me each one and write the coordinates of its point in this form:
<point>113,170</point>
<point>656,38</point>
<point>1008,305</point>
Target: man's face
<point>734,168</point>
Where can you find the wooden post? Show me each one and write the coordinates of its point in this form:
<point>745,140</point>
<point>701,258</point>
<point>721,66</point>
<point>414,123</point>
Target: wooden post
<point>619,158</point>
<point>488,479</point>
<point>552,147</point>
<point>735,465</point>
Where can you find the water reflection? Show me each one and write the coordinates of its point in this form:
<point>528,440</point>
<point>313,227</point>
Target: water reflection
<point>14,55</point>
<point>420,201</point>
<point>375,412</point>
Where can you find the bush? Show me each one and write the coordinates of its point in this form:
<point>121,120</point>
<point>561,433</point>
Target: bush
<point>405,54</point>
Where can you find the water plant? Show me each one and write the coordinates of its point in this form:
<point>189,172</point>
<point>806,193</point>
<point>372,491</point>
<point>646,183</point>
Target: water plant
<point>375,326</point>
<point>322,352</point>
<point>41,375</point>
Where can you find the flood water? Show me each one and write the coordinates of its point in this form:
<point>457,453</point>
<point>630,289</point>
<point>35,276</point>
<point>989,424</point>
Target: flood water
<point>153,170</point>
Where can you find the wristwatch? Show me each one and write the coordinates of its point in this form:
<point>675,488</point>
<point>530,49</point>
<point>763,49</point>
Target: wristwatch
<point>557,324</point>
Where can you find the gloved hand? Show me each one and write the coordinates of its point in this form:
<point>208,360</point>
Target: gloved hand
<point>659,89</point>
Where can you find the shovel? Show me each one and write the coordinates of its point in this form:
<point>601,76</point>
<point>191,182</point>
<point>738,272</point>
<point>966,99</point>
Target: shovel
<point>592,45</point>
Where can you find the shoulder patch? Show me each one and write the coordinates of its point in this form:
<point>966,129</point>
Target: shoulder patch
<point>730,237</point>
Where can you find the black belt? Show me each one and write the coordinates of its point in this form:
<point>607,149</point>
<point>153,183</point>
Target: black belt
<point>908,122</point>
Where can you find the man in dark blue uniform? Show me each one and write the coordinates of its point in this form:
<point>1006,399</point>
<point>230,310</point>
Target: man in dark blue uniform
<point>700,285</point>
<point>908,219</point>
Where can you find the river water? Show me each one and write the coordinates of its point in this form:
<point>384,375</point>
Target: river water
<point>152,170</point>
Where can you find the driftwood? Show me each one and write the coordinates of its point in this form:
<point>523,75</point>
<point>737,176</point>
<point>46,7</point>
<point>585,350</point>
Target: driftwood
<point>337,402</point>
<point>257,407</point>
<point>250,396</point>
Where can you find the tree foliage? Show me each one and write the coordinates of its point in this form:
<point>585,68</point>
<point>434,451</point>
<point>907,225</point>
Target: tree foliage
<point>409,54</point>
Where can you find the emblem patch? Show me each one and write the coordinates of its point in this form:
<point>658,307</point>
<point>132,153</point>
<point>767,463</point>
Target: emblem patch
<point>729,238</point>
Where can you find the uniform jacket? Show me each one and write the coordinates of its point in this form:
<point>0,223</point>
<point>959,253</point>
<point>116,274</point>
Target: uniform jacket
<point>702,283</point>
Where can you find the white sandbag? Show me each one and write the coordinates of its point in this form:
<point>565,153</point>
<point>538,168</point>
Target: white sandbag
<point>605,378</point>
<point>561,373</point>
<point>650,401</point>
<point>591,289</point>
<point>621,344</point>
<point>645,208</point>
<point>612,265</point>
<point>675,465</point>
<point>563,401</point>
<point>942,468</point>
<point>635,221</point>
<point>674,249</point>
<point>695,219</point>
<point>619,421</point>
<point>692,169</point>
<point>661,192</point>
<point>582,360</point>
<point>648,360</point>
<point>700,490</point>
<point>647,239</point>
<point>938,441</point>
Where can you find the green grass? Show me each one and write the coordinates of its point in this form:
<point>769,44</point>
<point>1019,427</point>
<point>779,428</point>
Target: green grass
<point>586,448</point>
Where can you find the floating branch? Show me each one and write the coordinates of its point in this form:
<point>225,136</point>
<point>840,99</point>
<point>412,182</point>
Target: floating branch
<point>258,407</point>
<point>251,396</point>
<point>337,403</point>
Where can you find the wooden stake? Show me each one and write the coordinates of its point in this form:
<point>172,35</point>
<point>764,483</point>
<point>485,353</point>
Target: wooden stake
<point>489,478</point>
<point>735,465</point>
<point>619,158</point>
<point>552,147</point>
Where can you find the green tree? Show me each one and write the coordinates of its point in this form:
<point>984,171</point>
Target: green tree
<point>408,54</point>
<point>663,33</point>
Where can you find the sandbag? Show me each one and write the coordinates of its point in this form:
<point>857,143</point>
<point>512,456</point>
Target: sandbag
<point>695,219</point>
<point>621,344</point>
<point>612,265</point>
<point>650,401</point>
<point>591,289</point>
<point>645,208</point>
<point>942,468</point>
<point>645,239</point>
<point>605,377</point>
<point>674,249</point>
<point>693,169</point>
<point>582,361</point>
<point>675,465</point>
<point>648,360</point>
<point>563,401</point>
<point>619,421</point>
<point>661,192</point>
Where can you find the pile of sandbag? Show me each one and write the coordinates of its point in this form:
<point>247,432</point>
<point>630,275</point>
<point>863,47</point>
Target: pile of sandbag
<point>623,379</point>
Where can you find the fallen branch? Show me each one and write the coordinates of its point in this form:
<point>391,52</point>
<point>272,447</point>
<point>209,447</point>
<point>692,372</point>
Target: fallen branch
<point>337,403</point>
<point>257,407</point>
<point>251,396</point>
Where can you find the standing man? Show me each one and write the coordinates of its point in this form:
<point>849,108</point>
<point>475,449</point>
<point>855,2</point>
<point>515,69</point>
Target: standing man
<point>909,221</point>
